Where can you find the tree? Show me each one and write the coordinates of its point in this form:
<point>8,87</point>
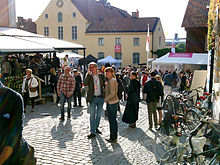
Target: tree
<point>180,48</point>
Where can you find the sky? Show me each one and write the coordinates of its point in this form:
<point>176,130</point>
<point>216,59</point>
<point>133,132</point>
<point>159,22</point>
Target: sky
<point>171,12</point>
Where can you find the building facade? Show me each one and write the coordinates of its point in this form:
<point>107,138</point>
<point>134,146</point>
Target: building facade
<point>27,25</point>
<point>195,23</point>
<point>7,13</point>
<point>103,29</point>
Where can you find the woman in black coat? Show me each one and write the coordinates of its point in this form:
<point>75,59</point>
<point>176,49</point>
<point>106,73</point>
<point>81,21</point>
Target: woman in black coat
<point>130,115</point>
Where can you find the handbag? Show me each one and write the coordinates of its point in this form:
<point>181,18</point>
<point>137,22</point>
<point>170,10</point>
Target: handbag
<point>33,89</point>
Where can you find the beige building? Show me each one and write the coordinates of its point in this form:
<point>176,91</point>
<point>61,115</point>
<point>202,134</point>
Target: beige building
<point>7,13</point>
<point>103,29</point>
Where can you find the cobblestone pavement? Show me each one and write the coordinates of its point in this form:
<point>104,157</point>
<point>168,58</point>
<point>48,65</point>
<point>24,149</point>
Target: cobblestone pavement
<point>66,143</point>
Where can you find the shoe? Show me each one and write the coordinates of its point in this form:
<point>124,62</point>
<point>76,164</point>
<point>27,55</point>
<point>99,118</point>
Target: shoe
<point>99,132</point>
<point>61,119</point>
<point>80,106</point>
<point>68,116</point>
<point>75,105</point>
<point>111,140</point>
<point>90,136</point>
<point>32,110</point>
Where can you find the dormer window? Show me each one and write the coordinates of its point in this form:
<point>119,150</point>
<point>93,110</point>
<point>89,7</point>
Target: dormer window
<point>60,17</point>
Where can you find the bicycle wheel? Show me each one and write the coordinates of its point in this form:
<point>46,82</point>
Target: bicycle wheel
<point>192,119</point>
<point>163,143</point>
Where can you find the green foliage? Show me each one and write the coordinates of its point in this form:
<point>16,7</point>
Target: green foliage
<point>180,48</point>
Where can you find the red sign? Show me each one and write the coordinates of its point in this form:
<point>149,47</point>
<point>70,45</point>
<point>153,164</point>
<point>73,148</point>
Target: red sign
<point>117,48</point>
<point>181,55</point>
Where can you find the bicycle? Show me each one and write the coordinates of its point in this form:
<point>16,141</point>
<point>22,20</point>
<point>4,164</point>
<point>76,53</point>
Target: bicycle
<point>192,150</point>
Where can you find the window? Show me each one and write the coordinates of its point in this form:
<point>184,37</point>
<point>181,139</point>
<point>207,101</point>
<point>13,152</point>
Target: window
<point>60,17</point>
<point>136,58</point>
<point>46,31</point>
<point>136,42</point>
<point>46,16</point>
<point>117,41</point>
<point>74,14</point>
<point>101,41</point>
<point>118,56</point>
<point>101,55</point>
<point>159,40</point>
<point>74,32</point>
<point>60,32</point>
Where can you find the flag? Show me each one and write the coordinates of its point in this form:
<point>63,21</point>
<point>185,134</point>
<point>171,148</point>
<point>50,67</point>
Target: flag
<point>148,41</point>
<point>173,47</point>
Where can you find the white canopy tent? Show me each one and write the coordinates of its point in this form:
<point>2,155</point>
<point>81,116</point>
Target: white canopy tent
<point>183,58</point>
<point>39,39</point>
<point>172,61</point>
<point>70,55</point>
<point>109,59</point>
<point>10,44</point>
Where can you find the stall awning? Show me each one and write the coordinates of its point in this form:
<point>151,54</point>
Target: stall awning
<point>39,39</point>
<point>16,45</point>
<point>183,58</point>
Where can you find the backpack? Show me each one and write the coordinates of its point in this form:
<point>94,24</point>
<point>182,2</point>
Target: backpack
<point>120,88</point>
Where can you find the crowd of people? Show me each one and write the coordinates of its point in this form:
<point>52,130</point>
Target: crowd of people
<point>107,84</point>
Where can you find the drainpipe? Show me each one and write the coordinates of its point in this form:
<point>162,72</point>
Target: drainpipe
<point>152,44</point>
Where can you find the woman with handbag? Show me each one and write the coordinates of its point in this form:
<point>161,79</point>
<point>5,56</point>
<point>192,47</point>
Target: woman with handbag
<point>130,115</point>
<point>29,88</point>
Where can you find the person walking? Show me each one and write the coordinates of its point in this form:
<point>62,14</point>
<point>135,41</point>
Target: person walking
<point>168,83</point>
<point>130,115</point>
<point>143,81</point>
<point>154,90</point>
<point>78,88</point>
<point>112,101</point>
<point>95,97</point>
<point>126,82</point>
<point>29,89</point>
<point>65,89</point>
<point>159,104</point>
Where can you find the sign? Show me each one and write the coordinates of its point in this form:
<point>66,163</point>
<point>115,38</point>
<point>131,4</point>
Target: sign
<point>117,48</point>
<point>181,55</point>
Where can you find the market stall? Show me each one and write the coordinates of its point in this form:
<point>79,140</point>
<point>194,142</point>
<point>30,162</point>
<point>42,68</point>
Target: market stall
<point>185,61</point>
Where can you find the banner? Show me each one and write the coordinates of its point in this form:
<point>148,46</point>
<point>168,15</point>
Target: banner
<point>181,55</point>
<point>117,48</point>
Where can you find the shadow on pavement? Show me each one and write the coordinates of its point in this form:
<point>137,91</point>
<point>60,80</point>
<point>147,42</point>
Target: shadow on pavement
<point>62,133</point>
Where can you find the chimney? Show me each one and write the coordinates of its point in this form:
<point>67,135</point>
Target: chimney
<point>29,20</point>
<point>176,36</point>
<point>135,14</point>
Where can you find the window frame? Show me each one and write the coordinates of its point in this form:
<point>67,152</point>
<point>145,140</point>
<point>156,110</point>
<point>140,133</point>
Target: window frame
<point>102,41</point>
<point>101,53</point>
<point>74,33</point>
<point>118,41</point>
<point>60,17</point>
<point>134,59</point>
<point>74,14</point>
<point>60,32</point>
<point>46,31</point>
<point>138,43</point>
<point>46,16</point>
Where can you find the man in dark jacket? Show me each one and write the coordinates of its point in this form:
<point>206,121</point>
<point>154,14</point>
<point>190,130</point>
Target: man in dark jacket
<point>154,91</point>
<point>95,97</point>
<point>78,87</point>
<point>168,83</point>
<point>11,119</point>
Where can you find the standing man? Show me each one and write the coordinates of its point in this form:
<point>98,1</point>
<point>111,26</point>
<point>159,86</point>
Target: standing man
<point>56,62</point>
<point>126,82</point>
<point>95,97</point>
<point>154,91</point>
<point>11,119</point>
<point>182,83</point>
<point>65,89</point>
<point>78,88</point>
<point>143,81</point>
<point>168,83</point>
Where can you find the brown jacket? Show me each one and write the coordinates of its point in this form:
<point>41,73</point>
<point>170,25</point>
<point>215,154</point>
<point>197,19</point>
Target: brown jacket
<point>111,91</point>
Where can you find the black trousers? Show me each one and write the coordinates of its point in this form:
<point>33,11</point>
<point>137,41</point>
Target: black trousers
<point>77,94</point>
<point>26,99</point>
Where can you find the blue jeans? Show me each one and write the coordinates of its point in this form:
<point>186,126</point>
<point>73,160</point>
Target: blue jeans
<point>95,109</point>
<point>63,99</point>
<point>112,114</point>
